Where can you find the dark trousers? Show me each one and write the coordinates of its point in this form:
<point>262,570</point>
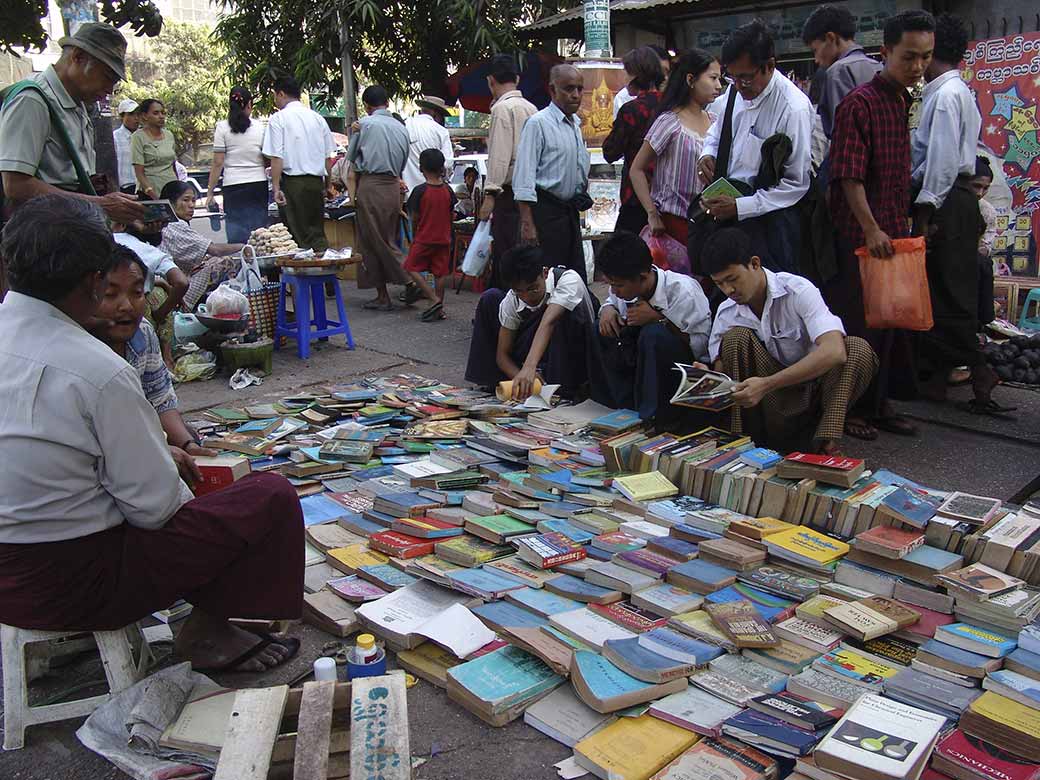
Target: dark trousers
<point>245,210</point>
<point>776,238</point>
<point>305,211</point>
<point>564,360</point>
<point>234,553</point>
<point>505,232</point>
<point>559,233</point>
<point>631,217</point>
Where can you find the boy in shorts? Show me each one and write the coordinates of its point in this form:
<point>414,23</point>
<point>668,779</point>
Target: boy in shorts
<point>430,207</point>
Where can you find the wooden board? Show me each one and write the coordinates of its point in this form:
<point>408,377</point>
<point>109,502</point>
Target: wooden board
<point>379,748</point>
<point>252,731</point>
<point>312,737</point>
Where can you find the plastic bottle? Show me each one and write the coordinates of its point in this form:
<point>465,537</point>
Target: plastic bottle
<point>365,651</point>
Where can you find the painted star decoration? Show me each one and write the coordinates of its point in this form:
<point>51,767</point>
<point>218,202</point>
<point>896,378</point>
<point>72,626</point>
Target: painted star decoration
<point>1023,121</point>
<point>1004,102</point>
<point>1023,150</point>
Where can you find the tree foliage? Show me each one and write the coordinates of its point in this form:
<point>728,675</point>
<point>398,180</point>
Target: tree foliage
<point>21,28</point>
<point>408,46</point>
<point>188,79</point>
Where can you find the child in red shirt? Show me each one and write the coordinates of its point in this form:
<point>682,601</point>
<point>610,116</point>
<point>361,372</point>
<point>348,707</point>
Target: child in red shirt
<point>431,207</point>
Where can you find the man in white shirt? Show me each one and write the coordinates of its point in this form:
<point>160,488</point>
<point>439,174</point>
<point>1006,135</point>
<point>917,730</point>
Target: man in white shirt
<point>537,329</point>
<point>427,131</point>
<point>797,371</point>
<point>97,530</point>
<point>946,211</point>
<point>765,103</point>
<point>659,317</point>
<point>300,146</point>
<point>129,121</point>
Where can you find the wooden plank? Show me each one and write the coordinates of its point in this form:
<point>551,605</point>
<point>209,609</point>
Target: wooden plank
<point>252,731</point>
<point>285,745</point>
<point>312,738</point>
<point>341,700</point>
<point>379,748</point>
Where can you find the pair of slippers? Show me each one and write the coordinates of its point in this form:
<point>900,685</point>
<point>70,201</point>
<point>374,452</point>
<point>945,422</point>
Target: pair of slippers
<point>290,644</point>
<point>434,313</point>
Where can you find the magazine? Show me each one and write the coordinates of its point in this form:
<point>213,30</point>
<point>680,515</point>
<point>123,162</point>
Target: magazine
<point>700,388</point>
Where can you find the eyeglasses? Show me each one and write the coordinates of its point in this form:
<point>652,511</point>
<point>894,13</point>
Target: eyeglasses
<point>745,79</point>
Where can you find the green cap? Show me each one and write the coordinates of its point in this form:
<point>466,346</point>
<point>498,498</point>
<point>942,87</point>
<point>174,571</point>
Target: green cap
<point>101,41</point>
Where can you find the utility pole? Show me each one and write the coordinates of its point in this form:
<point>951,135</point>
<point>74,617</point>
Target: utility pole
<point>350,112</point>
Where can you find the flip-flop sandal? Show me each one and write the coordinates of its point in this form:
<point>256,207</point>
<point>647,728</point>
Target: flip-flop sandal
<point>291,644</point>
<point>411,294</point>
<point>896,425</point>
<point>861,430</point>
<point>989,407</point>
<point>377,306</point>
<point>435,312</point>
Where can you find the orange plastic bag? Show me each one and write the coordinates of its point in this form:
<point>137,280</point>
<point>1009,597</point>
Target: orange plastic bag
<point>895,289</point>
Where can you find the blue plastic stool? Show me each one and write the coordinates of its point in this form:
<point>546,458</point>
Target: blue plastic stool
<point>309,306</point>
<point>1025,322</point>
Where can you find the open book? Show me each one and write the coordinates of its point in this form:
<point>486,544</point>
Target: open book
<point>703,389</point>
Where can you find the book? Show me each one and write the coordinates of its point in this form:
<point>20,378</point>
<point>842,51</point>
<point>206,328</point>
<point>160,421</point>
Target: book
<point>975,640</point>
<point>546,550</point>
<point>978,582</point>
<point>540,601</point>
<point>960,756</point>
<point>834,470</point>
<point>399,616</point>
<point>756,528</point>
<point>783,581</point>
<point>497,687</point>
<point>632,748</point>
<point>797,710</point>
<point>578,589</point>
<point>731,554</point>
<point>667,600</point>
<point>977,510</point>
<point>351,588</point>
<point>772,608</point>
<point>424,527</point>
<point>888,541</point>
<point>589,627</point>
<point>617,541</point>
<point>564,717</point>
<point>855,668</point>
<point>347,451</point>
<point>699,625</point>
<point>616,421</point>
<point>482,583</point>
<point>919,689</point>
<point>606,688</point>
<point>786,658</point>
<point>879,739</point>
<point>859,620</point>
<point>429,661</point>
<point>521,571</point>
<point>385,576</point>
<point>351,558</point>
<point>610,575</point>
<point>811,636</point>
<point>399,545</point>
<point>702,389</point>
<point>694,709</point>
<point>1004,723</point>
<point>827,689</point>
<point>720,759</point>
<point>645,487</point>
<point>742,669</point>
<point>921,565</point>
<point>954,659</point>
<point>760,458</point>
<point>635,659</point>
<point>806,547</point>
<point>219,471</point>
<point>330,613</point>
<point>497,529</point>
<point>769,733</point>
<point>629,616</point>
<point>471,552</point>
<point>201,726</point>
<point>700,577</point>
<point>889,650</point>
<point>910,506</point>
<point>646,561</point>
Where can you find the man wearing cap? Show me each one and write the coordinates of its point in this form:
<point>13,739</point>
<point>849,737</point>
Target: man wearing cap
<point>35,158</point>
<point>129,120</point>
<point>427,131</point>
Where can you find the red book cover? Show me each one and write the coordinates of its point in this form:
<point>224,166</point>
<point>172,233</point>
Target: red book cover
<point>400,545</point>
<point>895,540</point>
<point>931,774</point>
<point>629,616</point>
<point>984,759</point>
<point>825,461</point>
<point>219,471</point>
<point>930,620</point>
<point>649,561</point>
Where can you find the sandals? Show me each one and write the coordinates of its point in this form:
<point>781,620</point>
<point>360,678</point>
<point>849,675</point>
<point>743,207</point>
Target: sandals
<point>435,312</point>
<point>377,305</point>
<point>988,407</point>
<point>859,428</point>
<point>895,424</point>
<point>291,644</point>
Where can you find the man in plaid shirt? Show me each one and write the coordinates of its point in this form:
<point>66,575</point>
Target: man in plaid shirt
<point>870,205</point>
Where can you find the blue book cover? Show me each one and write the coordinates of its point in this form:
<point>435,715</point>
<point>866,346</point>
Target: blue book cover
<point>932,557</point>
<point>955,654</point>
<point>1026,686</point>
<point>673,644</point>
<point>997,646</point>
<point>388,575</point>
<point>503,613</point>
<point>597,554</point>
<point>617,420</point>
<point>384,452</point>
<point>800,742</point>
<point>362,525</point>
<point>505,677</point>
<point>569,530</point>
<point>694,531</point>
<point>634,655</point>
<point>377,419</point>
<point>256,426</point>
<point>702,571</point>
<point>602,678</point>
<point>481,581</point>
<point>561,508</point>
<point>351,396</point>
<point>319,508</point>
<point>567,585</point>
<point>886,477</point>
<point>1025,658</point>
<point>761,458</point>
<point>385,520</point>
<point>677,547</point>
<point>911,506</point>
<point>770,607</point>
<point>542,602</point>
<point>372,473</point>
<point>393,460</point>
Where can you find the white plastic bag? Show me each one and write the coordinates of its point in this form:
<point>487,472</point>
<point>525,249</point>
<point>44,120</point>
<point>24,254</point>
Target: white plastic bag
<point>249,278</point>
<point>226,300</point>
<point>479,252</point>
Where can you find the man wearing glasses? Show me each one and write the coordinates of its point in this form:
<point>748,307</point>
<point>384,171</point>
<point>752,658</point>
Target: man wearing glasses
<point>772,119</point>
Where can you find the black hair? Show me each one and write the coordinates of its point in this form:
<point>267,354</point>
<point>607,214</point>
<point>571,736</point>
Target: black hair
<point>237,118</point>
<point>951,39</point>
<point>147,104</point>
<point>752,39</point>
<point>624,256</point>
<point>826,19</point>
<point>173,190</point>
<point>982,167</point>
<point>52,243</point>
<point>644,67</point>
<point>503,69</point>
<point>677,93</point>
<point>431,161</point>
<point>660,51</point>
<point>375,95</point>
<point>907,21</point>
<point>470,169</point>
<point>522,264</point>
<point>124,257</point>
<point>725,247</point>
<point>287,84</point>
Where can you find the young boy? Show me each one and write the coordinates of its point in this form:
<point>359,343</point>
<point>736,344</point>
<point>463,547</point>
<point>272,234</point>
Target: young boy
<point>431,206</point>
<point>796,368</point>
<point>651,320</point>
<point>536,328</point>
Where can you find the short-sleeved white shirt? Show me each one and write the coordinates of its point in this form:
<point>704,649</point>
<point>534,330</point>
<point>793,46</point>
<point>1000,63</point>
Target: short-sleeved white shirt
<point>569,292</point>
<point>793,318</point>
<point>158,262</point>
<point>243,160</point>
<point>301,138</point>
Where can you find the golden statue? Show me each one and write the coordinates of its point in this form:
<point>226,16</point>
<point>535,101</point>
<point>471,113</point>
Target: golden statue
<point>600,118</point>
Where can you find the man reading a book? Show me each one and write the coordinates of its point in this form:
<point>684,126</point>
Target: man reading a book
<point>97,530</point>
<point>651,320</point>
<point>796,369</point>
<point>534,330</point>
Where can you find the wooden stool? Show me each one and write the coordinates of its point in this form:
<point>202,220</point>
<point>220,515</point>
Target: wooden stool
<point>116,648</point>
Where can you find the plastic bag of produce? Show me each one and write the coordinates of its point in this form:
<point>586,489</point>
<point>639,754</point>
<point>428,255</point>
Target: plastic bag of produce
<point>479,251</point>
<point>197,365</point>
<point>895,289</point>
<point>226,300</point>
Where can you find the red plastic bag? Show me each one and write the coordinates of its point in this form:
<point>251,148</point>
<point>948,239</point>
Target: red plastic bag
<point>667,253</point>
<point>895,289</point>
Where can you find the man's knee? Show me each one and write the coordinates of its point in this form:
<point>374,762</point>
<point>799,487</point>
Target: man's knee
<point>738,339</point>
<point>858,352</point>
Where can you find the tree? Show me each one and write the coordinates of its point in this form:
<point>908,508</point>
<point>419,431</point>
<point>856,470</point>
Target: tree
<point>187,82</point>
<point>20,26</point>
<point>408,46</point>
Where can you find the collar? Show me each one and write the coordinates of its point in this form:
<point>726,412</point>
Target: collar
<point>659,300</point>
<point>554,111</point>
<point>425,118</point>
<point>855,50</point>
<point>292,104</point>
<point>771,87</point>
<point>513,93</point>
<point>550,285</point>
<point>34,307</point>
<point>936,84</point>
<point>54,82</point>
<point>889,86</point>
<point>137,343</point>
<point>382,112</point>
<point>774,287</point>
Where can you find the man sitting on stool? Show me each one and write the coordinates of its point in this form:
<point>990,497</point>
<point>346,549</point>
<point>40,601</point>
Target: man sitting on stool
<point>651,320</point>
<point>775,336</point>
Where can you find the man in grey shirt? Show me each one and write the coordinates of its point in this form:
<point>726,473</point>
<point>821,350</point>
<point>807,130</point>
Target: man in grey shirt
<point>830,32</point>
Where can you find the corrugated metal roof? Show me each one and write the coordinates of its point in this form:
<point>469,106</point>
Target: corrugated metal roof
<point>615,7</point>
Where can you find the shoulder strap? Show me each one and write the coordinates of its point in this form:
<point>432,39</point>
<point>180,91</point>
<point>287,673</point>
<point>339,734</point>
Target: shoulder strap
<point>558,271</point>
<point>85,185</point>
<point>726,136</point>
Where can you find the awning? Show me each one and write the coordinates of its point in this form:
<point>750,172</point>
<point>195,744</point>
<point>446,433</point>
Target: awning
<point>616,6</point>
<point>568,24</point>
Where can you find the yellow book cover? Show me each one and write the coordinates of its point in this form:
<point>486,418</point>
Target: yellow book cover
<point>646,487</point>
<point>809,544</point>
<point>354,557</point>
<point>700,622</point>
<point>759,527</point>
<point>812,610</point>
<point>429,661</point>
<point>846,663</point>
<point>633,748</point>
<point>1007,712</point>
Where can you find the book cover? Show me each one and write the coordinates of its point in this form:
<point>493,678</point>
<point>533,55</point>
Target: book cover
<point>783,582</point>
<point>910,506</point>
<point>720,759</point>
<point>977,510</point>
<point>806,634</point>
<point>646,561</point>
<point>825,688</point>
<point>503,615</point>
<point>743,669</point>
<point>399,545</point>
<point>680,647</point>
<point>786,658</point>
<point>903,615</point>
<point>541,602</point>
<point>889,541</point>
<point>804,543</point>
<point>667,600</point>
<point>504,678</point>
<point>699,625</point>
<point>483,583</point>
<point>701,576</point>
<point>632,748</point>
<point>549,549</point>
<point>470,551</point>
<point>580,590</point>
<point>860,621</point>
<point>759,727</point>
<point>631,657</point>
<point>979,581</point>
<point>353,589</point>
<point>971,637</point>
<point>564,717</point>
<point>742,623</point>
<point>796,710</point>
<point>854,667</point>
<point>426,527</point>
<point>981,759</point>
<point>771,608</point>
<point>758,527</point>
<point>618,541</point>
<point>589,627</point>
<point>645,487</point>
<point>606,688</point>
<point>629,616</point>
<point>617,421</point>
<point>694,709</point>
<point>1008,713</point>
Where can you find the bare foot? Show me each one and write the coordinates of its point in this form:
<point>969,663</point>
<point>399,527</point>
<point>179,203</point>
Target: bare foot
<point>859,428</point>
<point>213,643</point>
<point>829,447</point>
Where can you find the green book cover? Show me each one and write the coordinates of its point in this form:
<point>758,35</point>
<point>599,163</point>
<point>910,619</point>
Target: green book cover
<point>721,186</point>
<point>503,525</point>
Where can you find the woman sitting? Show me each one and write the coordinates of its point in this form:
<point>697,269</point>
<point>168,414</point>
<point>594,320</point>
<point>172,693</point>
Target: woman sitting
<point>207,263</point>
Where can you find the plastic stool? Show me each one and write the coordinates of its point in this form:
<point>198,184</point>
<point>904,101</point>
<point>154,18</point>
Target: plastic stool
<point>308,295</point>
<point>1025,322</point>
<point>116,648</point>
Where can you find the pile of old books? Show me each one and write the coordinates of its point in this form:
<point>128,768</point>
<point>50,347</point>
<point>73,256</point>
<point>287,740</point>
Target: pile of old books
<point>667,606</point>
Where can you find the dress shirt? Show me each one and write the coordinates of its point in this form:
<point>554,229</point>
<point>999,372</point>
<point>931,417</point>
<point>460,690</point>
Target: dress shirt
<point>781,108</point>
<point>380,146</point>
<point>680,300</point>
<point>82,448</point>
<point>793,317</point>
<point>301,139</point>
<point>509,114</point>
<point>850,70</point>
<point>620,99</point>
<point>121,139</point>
<point>569,292</point>
<point>944,144</point>
<point>424,133</point>
<point>552,156</point>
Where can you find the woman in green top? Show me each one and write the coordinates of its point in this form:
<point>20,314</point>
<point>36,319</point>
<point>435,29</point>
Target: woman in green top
<point>151,150</point>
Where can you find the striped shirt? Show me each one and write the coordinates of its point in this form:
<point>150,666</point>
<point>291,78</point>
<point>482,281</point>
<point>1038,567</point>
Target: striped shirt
<point>143,353</point>
<point>675,179</point>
